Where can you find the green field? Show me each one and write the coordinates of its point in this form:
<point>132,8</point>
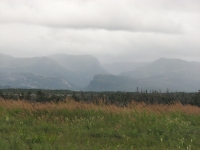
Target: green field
<point>75,125</point>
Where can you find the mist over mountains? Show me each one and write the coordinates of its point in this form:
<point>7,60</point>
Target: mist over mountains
<point>118,67</point>
<point>160,75</point>
<point>70,71</point>
<point>84,67</point>
<point>85,72</point>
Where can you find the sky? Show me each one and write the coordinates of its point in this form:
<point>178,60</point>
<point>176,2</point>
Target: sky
<point>111,30</point>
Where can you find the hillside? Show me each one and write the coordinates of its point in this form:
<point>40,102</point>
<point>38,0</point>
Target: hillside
<point>84,72</point>
<point>36,68</point>
<point>165,66</point>
<point>77,70</point>
<point>160,75</point>
<point>108,82</point>
<point>84,66</point>
<point>34,81</point>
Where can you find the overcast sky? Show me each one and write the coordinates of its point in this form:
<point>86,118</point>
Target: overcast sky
<point>112,30</point>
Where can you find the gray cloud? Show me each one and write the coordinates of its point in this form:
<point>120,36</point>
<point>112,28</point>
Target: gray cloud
<point>112,30</point>
<point>109,15</point>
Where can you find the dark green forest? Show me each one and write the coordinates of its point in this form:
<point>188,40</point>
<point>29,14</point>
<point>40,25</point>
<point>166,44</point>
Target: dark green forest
<point>118,98</point>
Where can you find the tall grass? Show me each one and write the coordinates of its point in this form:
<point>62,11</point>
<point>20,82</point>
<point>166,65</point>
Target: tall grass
<point>79,125</point>
<point>71,104</point>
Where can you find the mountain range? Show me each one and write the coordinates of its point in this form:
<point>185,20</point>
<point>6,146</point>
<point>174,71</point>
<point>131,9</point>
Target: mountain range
<point>85,72</point>
<point>61,71</point>
<point>160,75</point>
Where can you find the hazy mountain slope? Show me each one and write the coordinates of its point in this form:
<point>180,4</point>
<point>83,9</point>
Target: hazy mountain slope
<point>175,74</point>
<point>122,83</point>
<point>119,67</point>
<point>165,66</point>
<point>108,82</point>
<point>75,72</point>
<point>76,69</point>
<point>162,74</point>
<point>164,82</point>
<point>84,66</point>
<point>28,80</point>
<point>37,65</point>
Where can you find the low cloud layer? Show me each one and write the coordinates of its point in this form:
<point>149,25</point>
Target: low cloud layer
<point>108,15</point>
<point>111,30</point>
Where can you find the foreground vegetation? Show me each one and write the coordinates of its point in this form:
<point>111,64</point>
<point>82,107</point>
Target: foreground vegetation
<point>78,125</point>
<point>117,98</point>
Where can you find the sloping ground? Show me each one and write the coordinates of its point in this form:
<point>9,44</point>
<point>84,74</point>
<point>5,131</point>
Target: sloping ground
<point>109,82</point>
<point>162,74</point>
<point>77,71</point>
<point>164,66</point>
<point>28,80</point>
<point>84,66</point>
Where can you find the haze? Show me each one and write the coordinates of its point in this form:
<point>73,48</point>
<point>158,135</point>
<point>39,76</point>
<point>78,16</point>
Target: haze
<point>111,30</point>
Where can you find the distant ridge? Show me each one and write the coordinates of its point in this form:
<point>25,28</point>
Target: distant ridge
<point>84,66</point>
<point>84,72</point>
<point>33,81</point>
<point>77,71</point>
<point>164,66</point>
<point>162,74</point>
<point>108,82</point>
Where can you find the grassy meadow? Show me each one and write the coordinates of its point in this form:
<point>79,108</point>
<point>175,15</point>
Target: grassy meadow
<point>81,126</point>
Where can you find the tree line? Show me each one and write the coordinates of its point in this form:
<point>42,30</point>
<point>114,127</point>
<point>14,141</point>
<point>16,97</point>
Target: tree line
<point>118,98</point>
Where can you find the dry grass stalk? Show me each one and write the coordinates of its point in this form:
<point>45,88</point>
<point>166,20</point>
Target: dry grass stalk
<point>70,104</point>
